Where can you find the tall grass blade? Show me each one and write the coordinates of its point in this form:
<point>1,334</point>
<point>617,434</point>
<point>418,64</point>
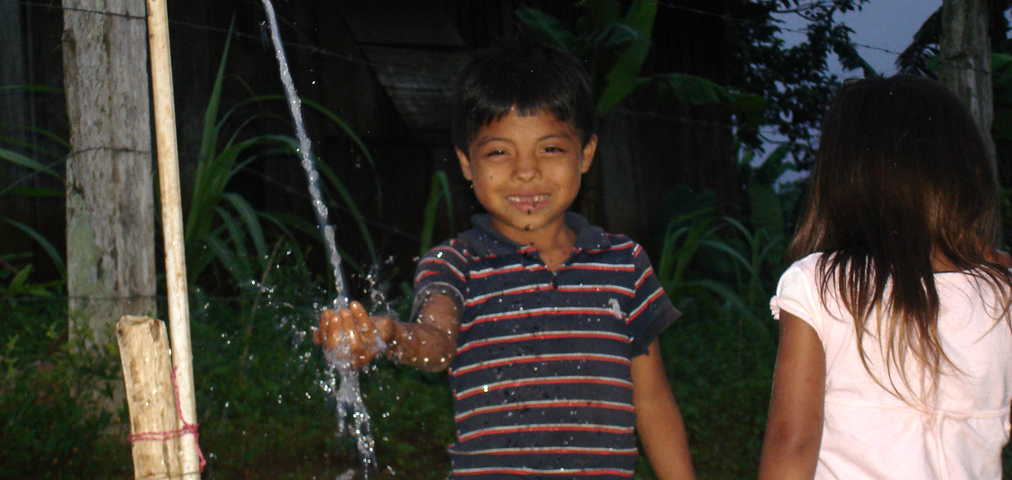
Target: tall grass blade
<point>24,161</point>
<point>250,221</point>
<point>51,251</point>
<point>350,204</point>
<point>439,190</point>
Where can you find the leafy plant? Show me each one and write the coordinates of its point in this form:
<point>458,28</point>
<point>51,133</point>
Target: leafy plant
<point>737,262</point>
<point>50,396</point>
<point>719,273</point>
<point>614,49</point>
<point>16,268</point>
<point>222,227</point>
<point>264,410</point>
<point>439,191</point>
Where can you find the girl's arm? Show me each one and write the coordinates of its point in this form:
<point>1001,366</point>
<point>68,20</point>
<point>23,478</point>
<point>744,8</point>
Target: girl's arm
<point>794,426</point>
<point>429,344</point>
<point>658,421</point>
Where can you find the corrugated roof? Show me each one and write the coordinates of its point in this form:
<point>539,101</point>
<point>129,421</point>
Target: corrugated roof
<point>416,55</point>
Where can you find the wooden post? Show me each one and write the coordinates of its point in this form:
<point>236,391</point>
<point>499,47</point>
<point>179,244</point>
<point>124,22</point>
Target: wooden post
<point>147,371</point>
<point>965,66</point>
<point>109,192</point>
<point>172,228</point>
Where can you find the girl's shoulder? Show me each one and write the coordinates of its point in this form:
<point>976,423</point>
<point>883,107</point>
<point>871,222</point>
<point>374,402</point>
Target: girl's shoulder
<point>801,276</point>
<point>808,264</point>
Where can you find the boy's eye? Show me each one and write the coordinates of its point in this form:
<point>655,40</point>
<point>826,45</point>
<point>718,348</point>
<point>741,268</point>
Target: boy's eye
<point>495,153</point>
<point>554,149</point>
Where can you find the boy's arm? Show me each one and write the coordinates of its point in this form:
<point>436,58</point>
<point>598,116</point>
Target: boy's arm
<point>794,426</point>
<point>429,344</point>
<point>658,421</point>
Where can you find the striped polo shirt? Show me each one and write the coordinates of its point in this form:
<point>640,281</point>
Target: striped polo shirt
<point>541,381</point>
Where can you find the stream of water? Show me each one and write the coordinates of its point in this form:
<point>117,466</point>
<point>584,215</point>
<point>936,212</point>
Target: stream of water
<point>342,380</point>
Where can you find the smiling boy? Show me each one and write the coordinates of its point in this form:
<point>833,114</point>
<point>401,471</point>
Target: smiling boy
<point>548,325</point>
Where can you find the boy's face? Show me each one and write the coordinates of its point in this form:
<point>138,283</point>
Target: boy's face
<point>526,172</point>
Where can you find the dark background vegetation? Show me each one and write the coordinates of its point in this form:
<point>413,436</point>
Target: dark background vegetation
<point>688,172</point>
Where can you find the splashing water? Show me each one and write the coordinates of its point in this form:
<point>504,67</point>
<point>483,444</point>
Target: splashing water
<point>347,392</point>
<point>320,209</point>
<point>349,400</point>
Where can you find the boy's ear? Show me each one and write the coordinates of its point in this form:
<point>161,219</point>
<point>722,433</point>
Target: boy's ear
<point>465,164</point>
<point>588,154</point>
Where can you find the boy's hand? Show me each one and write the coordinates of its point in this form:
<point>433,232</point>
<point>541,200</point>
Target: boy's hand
<point>353,334</point>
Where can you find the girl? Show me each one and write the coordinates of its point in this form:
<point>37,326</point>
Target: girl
<point>895,355</point>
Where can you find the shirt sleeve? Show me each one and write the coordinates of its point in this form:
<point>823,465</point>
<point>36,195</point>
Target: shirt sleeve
<point>651,310</point>
<point>441,270</point>
<point>798,294</point>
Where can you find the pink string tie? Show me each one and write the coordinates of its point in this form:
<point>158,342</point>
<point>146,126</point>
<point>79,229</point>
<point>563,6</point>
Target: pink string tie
<point>190,428</point>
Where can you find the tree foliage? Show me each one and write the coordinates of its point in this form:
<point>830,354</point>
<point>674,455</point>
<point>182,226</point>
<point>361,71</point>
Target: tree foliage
<point>794,80</point>
<point>765,81</point>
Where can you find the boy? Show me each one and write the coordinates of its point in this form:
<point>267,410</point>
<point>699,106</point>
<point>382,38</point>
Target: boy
<point>548,325</point>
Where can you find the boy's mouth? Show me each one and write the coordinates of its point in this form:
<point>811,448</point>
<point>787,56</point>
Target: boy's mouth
<point>527,202</point>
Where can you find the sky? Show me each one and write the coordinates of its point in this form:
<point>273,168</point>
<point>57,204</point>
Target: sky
<point>882,29</point>
<point>881,25</point>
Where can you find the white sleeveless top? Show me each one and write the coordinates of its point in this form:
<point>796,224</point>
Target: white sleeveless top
<point>870,433</point>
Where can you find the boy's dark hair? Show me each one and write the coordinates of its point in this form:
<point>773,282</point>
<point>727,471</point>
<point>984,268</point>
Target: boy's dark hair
<point>526,75</point>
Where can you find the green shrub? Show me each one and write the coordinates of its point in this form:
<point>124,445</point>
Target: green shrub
<point>55,397</point>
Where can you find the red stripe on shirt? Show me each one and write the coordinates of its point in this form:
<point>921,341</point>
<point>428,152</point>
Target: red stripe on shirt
<point>596,289</point>
<point>545,404</point>
<point>621,246</point>
<point>559,450</point>
<point>516,291</point>
<point>540,336</point>
<point>602,267</point>
<point>545,428</point>
<point>536,312</point>
<point>646,273</point>
<point>441,262</point>
<point>646,303</point>
<point>528,471</point>
<point>543,381</point>
<point>501,271</point>
<point>541,358</point>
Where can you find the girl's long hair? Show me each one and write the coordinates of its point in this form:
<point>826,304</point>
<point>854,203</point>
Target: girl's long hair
<point>901,181</point>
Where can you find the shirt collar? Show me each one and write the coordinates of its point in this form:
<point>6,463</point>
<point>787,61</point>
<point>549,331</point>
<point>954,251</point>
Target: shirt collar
<point>485,240</point>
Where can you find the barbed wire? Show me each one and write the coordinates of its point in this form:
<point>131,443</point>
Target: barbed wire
<point>361,61</point>
<point>730,19</point>
<point>82,10</point>
<point>324,52</point>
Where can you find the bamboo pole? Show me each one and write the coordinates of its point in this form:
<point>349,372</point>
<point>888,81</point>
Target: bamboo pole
<point>147,371</point>
<point>172,229</point>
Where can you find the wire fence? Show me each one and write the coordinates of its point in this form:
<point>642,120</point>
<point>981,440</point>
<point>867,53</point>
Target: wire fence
<point>316,50</point>
<point>349,58</point>
<point>260,37</point>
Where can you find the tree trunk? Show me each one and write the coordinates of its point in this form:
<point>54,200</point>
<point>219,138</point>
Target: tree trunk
<point>965,65</point>
<point>110,212</point>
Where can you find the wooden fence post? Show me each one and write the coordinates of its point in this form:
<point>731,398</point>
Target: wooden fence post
<point>147,371</point>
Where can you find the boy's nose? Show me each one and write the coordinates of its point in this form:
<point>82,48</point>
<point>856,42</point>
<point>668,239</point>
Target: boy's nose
<point>527,167</point>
